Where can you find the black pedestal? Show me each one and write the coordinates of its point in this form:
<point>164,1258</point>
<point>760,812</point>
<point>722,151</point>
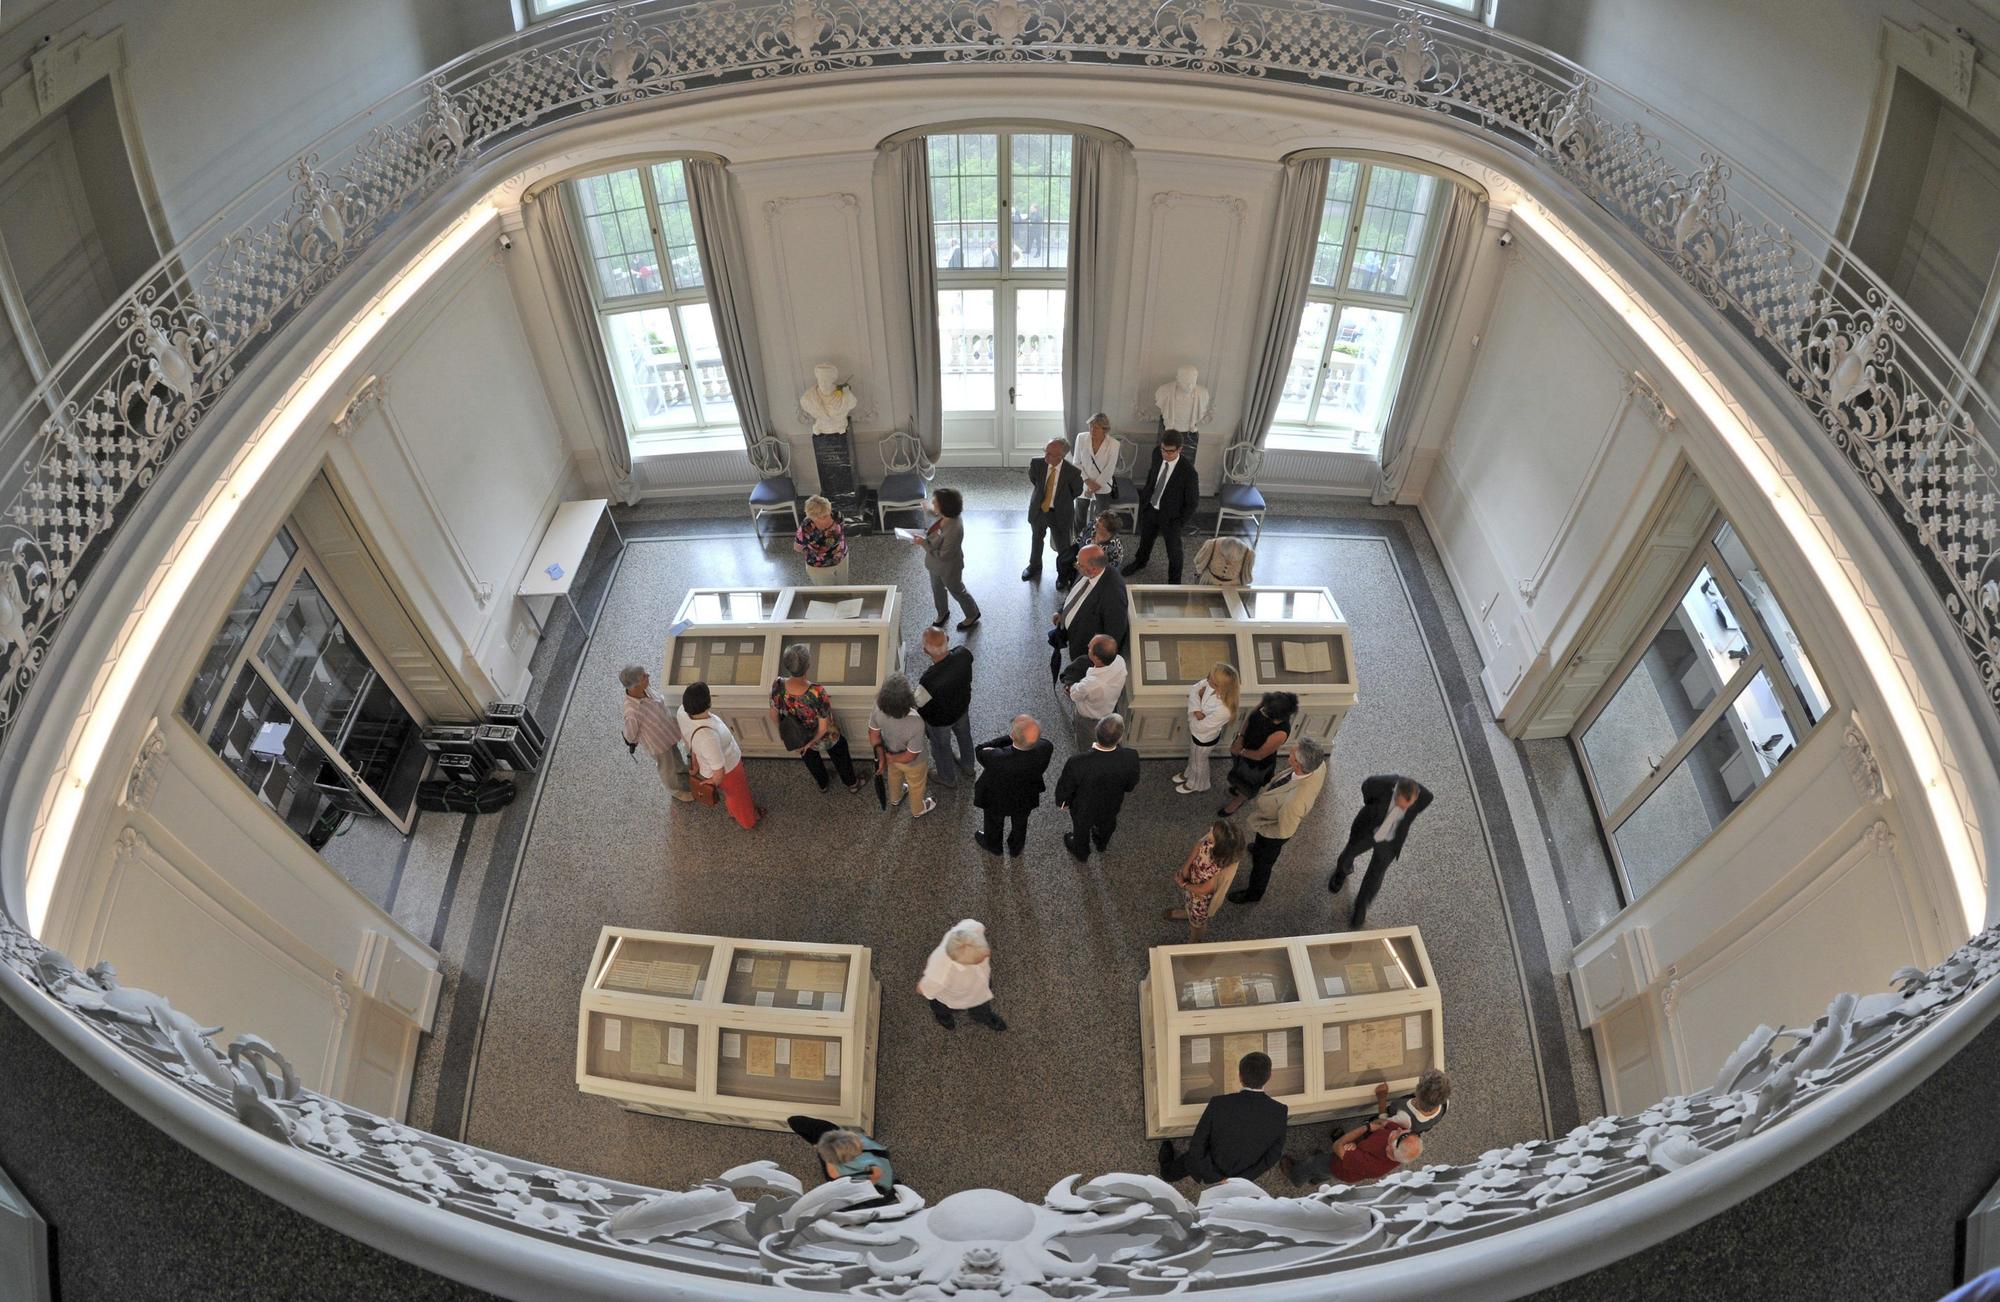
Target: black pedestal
<point>833,454</point>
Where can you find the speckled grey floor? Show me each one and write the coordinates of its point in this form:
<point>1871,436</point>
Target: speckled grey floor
<point>1060,1092</point>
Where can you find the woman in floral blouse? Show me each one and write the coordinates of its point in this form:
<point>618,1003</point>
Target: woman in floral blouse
<point>1207,870</point>
<point>823,543</point>
<point>808,705</point>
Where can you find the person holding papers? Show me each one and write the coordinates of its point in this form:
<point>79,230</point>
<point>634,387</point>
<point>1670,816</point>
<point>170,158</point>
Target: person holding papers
<point>944,558</point>
<point>1389,808</point>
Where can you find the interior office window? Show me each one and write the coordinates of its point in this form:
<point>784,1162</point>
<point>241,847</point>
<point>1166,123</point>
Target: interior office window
<point>73,235</point>
<point>310,722</point>
<point>659,332</point>
<point>1000,227</point>
<point>1375,239</point>
<point>1717,695</point>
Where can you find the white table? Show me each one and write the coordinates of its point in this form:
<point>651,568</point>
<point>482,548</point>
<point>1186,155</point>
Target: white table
<point>553,571</point>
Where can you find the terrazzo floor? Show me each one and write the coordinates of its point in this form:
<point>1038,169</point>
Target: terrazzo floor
<point>515,900</point>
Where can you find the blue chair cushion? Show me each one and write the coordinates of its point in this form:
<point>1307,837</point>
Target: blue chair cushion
<point>903,486</point>
<point>777,491</point>
<point>1240,497</point>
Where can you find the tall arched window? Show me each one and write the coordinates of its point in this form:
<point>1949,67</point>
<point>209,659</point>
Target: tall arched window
<point>1000,227</point>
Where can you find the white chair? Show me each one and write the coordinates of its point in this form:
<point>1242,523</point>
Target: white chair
<point>906,476</point>
<point>1239,498</point>
<point>1123,499</point>
<point>775,494</point>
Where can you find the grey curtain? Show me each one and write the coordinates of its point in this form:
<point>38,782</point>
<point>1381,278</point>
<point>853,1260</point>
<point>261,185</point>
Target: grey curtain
<point>576,325</point>
<point>726,274</point>
<point>1286,276</point>
<point>1463,220</point>
<point>909,163</point>
<point>1095,166</point>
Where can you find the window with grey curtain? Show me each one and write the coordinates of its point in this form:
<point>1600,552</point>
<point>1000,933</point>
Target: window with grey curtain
<point>1432,318</point>
<point>726,274</point>
<point>576,326</point>
<point>1095,165</point>
<point>1286,276</point>
<point>909,163</point>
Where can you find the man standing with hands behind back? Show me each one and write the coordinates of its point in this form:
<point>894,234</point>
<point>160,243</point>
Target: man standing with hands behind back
<point>1010,784</point>
<point>1389,807</point>
<point>1166,504</point>
<point>1054,486</point>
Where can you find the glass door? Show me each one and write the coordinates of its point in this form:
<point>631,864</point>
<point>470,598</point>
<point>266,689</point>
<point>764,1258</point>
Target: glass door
<point>1000,226</point>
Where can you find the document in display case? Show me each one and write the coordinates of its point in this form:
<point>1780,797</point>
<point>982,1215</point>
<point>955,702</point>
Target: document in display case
<point>733,638</point>
<point>1277,638</point>
<point>1335,1013</point>
<point>736,1032</point>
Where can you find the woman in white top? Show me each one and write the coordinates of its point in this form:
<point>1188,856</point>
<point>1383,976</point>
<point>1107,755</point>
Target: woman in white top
<point>716,756</point>
<point>959,977</point>
<point>1096,455</point>
<point>1211,707</point>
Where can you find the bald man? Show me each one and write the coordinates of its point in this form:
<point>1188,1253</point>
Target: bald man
<point>1054,485</point>
<point>1010,785</point>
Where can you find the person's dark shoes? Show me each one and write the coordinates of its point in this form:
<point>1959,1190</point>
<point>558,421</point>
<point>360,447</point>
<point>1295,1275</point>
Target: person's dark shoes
<point>857,785</point>
<point>1337,883</point>
<point>1079,852</point>
<point>967,625</point>
<point>1356,923</point>
<point>1243,897</point>
<point>941,621</point>
<point>944,1018</point>
<point>937,781</point>
<point>1031,575</point>
<point>1130,570</point>
<point>998,1023</point>
<point>1014,851</point>
<point>1285,1164</point>
<point>1167,1160</point>
<point>979,839</point>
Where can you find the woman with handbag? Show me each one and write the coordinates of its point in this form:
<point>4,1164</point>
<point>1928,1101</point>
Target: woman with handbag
<point>803,715</point>
<point>1211,705</point>
<point>1210,867</point>
<point>715,767</point>
<point>1256,748</point>
<point>896,731</point>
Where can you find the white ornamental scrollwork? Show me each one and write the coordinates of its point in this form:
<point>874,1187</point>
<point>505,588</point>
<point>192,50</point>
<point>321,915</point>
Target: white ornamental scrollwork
<point>1862,767</point>
<point>1410,64</point>
<point>1211,36</point>
<point>812,36</point>
<point>144,783</point>
<point>627,62</point>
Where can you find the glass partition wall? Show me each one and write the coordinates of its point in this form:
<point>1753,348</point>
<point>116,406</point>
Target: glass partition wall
<point>1709,704</point>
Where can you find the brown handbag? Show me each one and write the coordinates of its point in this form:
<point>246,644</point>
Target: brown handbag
<point>705,790</point>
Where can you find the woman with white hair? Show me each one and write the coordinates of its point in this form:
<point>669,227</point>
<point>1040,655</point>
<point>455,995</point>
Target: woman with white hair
<point>958,978</point>
<point>649,723</point>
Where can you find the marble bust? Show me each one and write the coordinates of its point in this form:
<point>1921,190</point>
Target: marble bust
<point>1183,402</point>
<point>828,403</point>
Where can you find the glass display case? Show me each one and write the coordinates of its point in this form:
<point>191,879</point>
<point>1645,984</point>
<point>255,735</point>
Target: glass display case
<point>736,1032</point>
<point>732,638</point>
<point>1290,639</point>
<point>1335,1013</point>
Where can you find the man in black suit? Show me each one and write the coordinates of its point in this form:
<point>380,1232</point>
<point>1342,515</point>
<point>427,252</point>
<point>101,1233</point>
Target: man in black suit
<point>1055,484</point>
<point>1010,783</point>
<point>1093,787</point>
<point>1240,1134</point>
<point>1166,504</point>
<point>1389,808</point>
<point>1094,604</point>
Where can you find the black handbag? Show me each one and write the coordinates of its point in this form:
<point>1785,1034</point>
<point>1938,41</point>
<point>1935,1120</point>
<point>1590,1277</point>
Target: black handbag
<point>1248,775</point>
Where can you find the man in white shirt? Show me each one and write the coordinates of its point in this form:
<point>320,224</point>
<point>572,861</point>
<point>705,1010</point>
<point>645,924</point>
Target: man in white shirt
<point>648,724</point>
<point>716,756</point>
<point>958,978</point>
<point>1094,684</point>
<point>1389,808</point>
<point>1096,455</point>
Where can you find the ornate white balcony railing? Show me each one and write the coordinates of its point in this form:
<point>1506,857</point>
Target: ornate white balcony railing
<point>1897,406</point>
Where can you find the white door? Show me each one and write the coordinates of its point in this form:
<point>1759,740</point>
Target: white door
<point>1000,222</point>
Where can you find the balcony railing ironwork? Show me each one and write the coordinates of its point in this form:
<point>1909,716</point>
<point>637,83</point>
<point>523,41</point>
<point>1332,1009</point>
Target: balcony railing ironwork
<point>138,388</point>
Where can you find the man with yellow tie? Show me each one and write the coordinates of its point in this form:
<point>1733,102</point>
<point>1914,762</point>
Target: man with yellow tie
<point>1057,483</point>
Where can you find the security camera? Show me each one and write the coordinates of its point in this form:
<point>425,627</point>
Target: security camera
<point>1506,239</point>
<point>507,243</point>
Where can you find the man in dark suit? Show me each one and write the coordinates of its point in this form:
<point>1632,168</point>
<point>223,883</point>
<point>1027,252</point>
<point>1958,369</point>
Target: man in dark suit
<point>1094,605</point>
<point>1093,787</point>
<point>1389,808</point>
<point>1166,504</point>
<point>1240,1134</point>
<point>1010,783</point>
<point>1055,484</point>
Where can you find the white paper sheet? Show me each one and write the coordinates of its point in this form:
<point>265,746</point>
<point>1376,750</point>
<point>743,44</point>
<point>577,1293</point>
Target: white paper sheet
<point>1203,994</point>
<point>745,963</point>
<point>784,1052</point>
<point>822,610</point>
<point>1198,1051</point>
<point>1329,1039</point>
<point>805,998</point>
<point>833,1003</point>
<point>1413,1031</point>
<point>614,1034</point>
<point>1275,1049</point>
<point>1392,977</point>
<point>833,1058</point>
<point>910,535</point>
<point>732,1044</point>
<point>1334,987</point>
<point>765,998</point>
<point>676,1046</point>
<point>746,648</point>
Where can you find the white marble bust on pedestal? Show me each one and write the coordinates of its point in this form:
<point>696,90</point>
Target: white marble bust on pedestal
<point>1183,402</point>
<point>828,403</point>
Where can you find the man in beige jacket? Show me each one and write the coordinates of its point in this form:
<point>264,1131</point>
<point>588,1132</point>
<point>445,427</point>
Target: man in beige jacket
<point>1276,813</point>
